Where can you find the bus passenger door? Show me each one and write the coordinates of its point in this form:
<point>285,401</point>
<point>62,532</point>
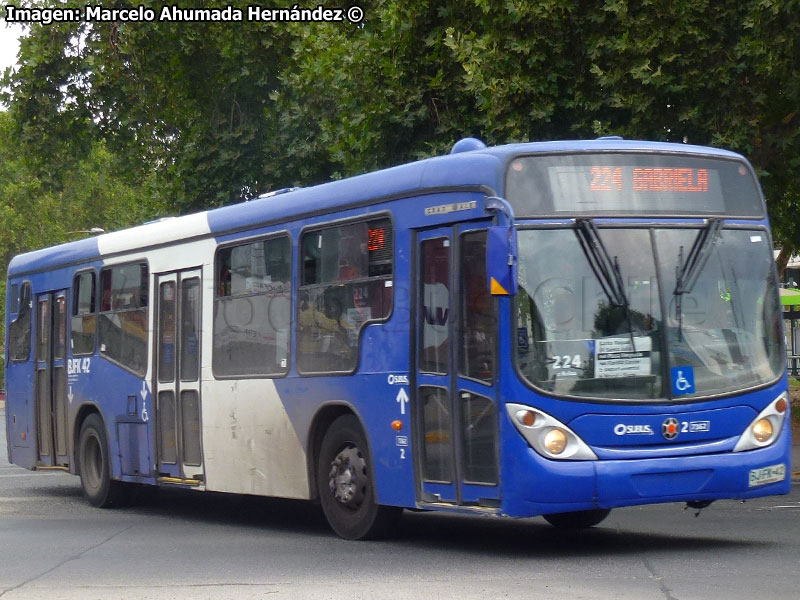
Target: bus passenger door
<point>51,379</point>
<point>455,413</point>
<point>177,376</point>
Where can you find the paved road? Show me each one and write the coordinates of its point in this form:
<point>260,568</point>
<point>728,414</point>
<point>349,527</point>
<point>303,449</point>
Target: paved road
<point>191,545</point>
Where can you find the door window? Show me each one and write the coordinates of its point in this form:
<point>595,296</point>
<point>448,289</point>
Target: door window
<point>437,427</point>
<point>479,310</point>
<point>84,317</point>
<point>435,309</point>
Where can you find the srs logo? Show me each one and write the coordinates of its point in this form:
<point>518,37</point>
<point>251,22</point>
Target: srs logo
<point>623,429</point>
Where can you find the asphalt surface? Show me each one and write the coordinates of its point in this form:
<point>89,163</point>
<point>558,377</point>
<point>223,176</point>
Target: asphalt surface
<point>193,545</point>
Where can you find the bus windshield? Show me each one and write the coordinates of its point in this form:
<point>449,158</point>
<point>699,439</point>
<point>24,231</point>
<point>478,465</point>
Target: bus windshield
<point>665,340</point>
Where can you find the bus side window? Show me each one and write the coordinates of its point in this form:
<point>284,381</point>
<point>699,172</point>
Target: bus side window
<point>84,317</point>
<point>14,297</point>
<point>345,283</point>
<point>123,315</point>
<point>252,308</point>
<point>19,330</point>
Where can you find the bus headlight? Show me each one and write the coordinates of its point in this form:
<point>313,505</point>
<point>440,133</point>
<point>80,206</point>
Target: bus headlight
<point>762,430</point>
<point>547,435</point>
<point>555,441</point>
<point>766,427</point>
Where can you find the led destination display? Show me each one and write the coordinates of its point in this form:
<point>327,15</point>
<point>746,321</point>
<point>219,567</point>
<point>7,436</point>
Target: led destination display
<point>639,184</point>
<point>609,179</point>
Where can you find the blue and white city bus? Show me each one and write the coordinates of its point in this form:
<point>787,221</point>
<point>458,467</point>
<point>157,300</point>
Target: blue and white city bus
<point>551,329</point>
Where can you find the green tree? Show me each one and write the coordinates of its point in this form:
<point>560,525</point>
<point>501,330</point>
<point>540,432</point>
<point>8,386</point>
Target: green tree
<point>187,101</point>
<point>38,211</point>
<point>421,74</point>
<point>219,111</point>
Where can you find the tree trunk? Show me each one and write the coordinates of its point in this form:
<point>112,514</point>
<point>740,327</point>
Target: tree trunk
<point>783,259</point>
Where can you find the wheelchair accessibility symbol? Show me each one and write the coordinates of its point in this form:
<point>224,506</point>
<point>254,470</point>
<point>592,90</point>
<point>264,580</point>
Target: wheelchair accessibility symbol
<point>682,380</point>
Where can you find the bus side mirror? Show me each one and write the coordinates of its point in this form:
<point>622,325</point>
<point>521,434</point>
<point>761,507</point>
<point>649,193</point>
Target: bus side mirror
<point>501,260</point>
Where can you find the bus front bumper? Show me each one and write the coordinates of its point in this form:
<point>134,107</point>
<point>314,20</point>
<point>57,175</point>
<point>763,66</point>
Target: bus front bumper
<point>554,486</point>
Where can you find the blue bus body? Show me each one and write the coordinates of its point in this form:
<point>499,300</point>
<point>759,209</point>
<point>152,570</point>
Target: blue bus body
<point>220,428</point>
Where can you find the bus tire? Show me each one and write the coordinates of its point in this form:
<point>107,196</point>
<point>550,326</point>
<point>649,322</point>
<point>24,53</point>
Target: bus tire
<point>94,465</point>
<point>346,487</point>
<point>580,519</point>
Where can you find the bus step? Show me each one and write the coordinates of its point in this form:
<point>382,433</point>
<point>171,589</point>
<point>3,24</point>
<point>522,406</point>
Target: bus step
<point>179,481</point>
<point>446,506</point>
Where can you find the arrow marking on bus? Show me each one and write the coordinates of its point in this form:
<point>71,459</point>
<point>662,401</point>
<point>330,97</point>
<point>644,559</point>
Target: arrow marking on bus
<point>70,396</point>
<point>144,391</point>
<point>402,398</point>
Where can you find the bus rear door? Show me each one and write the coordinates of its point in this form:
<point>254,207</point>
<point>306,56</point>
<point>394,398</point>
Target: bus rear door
<point>177,377</point>
<point>51,379</point>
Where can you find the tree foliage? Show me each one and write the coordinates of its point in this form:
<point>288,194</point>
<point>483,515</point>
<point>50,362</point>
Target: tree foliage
<point>215,112</point>
<point>184,100</point>
<point>37,210</point>
<point>421,74</point>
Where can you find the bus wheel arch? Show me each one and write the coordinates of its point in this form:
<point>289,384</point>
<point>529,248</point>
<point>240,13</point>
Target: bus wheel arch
<point>345,482</point>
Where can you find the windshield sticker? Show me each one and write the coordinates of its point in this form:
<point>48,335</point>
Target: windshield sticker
<point>616,357</point>
<point>682,380</point>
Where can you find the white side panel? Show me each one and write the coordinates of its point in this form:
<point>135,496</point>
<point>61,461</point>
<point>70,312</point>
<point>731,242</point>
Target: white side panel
<point>153,234</point>
<point>249,444</point>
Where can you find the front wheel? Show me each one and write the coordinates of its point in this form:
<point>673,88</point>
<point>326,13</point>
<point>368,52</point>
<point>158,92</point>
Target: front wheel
<point>346,487</point>
<point>94,465</point>
<point>580,519</point>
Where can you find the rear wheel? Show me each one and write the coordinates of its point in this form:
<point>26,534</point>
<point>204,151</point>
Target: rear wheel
<point>346,487</point>
<point>94,465</point>
<point>580,519</point>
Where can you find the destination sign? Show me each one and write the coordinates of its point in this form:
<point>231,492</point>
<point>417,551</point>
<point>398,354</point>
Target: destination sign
<point>610,179</point>
<point>633,183</point>
<point>593,187</point>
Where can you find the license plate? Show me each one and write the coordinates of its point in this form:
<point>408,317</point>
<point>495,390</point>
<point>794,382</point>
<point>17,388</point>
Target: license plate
<point>766,475</point>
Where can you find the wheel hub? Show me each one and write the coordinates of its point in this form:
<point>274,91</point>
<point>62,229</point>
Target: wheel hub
<point>348,477</point>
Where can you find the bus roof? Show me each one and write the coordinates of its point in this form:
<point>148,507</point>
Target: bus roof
<point>480,168</point>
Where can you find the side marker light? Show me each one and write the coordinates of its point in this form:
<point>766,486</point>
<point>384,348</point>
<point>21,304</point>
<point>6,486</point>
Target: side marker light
<point>526,417</point>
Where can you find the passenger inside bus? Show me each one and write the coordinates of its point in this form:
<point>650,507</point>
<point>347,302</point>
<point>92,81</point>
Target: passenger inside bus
<point>323,342</point>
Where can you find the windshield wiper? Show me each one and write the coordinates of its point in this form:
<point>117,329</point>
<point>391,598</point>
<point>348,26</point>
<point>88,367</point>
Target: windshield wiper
<point>686,273</point>
<point>605,268</point>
